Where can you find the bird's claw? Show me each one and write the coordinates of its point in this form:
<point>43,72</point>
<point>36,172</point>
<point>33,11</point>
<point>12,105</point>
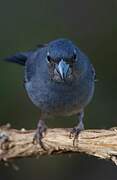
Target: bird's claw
<point>4,139</point>
<point>39,135</point>
<point>75,133</point>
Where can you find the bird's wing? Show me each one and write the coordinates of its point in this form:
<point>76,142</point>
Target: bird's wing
<point>93,73</point>
<point>30,69</point>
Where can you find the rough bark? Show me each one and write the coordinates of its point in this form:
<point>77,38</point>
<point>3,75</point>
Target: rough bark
<point>19,143</point>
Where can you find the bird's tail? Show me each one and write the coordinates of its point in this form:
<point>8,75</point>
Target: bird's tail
<point>19,58</point>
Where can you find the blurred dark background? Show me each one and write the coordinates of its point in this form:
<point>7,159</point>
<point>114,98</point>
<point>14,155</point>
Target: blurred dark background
<point>92,25</point>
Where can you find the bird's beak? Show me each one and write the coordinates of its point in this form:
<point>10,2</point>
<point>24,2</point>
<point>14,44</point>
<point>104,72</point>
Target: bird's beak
<point>63,69</point>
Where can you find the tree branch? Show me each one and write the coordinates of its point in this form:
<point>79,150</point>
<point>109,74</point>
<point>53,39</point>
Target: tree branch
<point>19,143</point>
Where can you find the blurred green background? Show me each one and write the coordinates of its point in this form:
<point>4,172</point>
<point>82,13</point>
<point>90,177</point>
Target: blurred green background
<point>92,25</point>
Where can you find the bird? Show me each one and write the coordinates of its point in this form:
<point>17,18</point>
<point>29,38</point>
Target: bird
<point>59,79</point>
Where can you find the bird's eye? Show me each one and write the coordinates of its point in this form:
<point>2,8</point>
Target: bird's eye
<point>72,60</point>
<point>48,59</point>
<point>74,55</point>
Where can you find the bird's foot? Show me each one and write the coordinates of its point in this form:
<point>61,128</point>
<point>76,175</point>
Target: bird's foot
<point>40,132</point>
<point>75,132</point>
<point>4,139</point>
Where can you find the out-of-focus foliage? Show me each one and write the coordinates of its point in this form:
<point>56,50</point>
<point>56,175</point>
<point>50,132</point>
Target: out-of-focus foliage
<point>92,25</point>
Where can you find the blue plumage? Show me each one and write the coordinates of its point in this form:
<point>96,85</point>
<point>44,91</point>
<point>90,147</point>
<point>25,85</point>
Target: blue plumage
<point>59,80</point>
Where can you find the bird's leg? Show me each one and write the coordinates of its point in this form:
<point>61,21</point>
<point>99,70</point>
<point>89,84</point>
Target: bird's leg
<point>41,129</point>
<point>77,129</point>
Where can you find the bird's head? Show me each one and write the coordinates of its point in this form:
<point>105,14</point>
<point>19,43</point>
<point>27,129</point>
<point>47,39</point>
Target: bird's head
<point>61,60</point>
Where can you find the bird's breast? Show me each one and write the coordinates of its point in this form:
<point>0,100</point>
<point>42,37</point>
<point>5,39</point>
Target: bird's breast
<point>59,98</point>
